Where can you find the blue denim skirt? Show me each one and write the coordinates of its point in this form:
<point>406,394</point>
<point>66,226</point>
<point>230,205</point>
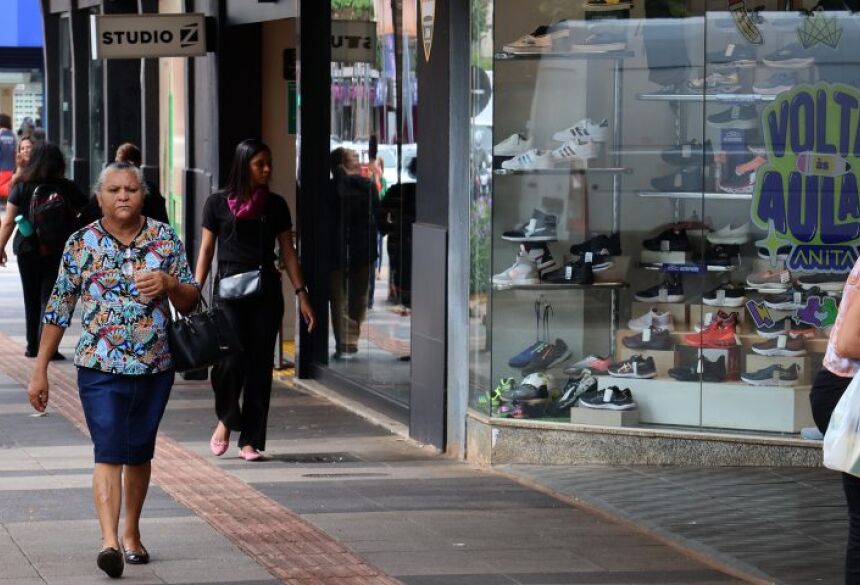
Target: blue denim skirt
<point>123,413</point>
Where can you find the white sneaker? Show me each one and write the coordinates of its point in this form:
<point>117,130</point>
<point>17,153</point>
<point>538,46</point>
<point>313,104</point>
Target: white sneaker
<point>523,271</point>
<point>586,130</point>
<point>729,235</point>
<point>530,160</point>
<point>513,145</point>
<point>575,150</point>
<point>540,40</point>
<point>652,318</point>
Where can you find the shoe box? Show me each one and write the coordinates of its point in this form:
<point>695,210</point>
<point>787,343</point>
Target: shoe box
<point>604,418</point>
<point>755,362</point>
<point>679,311</point>
<point>652,257</point>
<point>688,357</point>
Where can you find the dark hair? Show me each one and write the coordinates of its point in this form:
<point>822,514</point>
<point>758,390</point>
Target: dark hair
<point>335,159</point>
<point>129,152</point>
<point>46,164</point>
<point>239,178</point>
<point>5,121</point>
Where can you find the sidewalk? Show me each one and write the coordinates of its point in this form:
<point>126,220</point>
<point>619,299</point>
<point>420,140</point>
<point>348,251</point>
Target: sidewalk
<point>340,502</point>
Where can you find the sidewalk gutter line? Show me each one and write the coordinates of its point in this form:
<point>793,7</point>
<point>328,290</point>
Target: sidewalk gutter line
<point>718,561</point>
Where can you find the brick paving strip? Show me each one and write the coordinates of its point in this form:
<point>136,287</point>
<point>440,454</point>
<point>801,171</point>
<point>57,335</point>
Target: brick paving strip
<point>289,548</point>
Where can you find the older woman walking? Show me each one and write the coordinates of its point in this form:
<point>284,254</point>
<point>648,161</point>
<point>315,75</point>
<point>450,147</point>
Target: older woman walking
<point>124,268</point>
<point>245,220</point>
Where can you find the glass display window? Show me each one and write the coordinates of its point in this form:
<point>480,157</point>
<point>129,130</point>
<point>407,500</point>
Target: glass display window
<point>664,209</point>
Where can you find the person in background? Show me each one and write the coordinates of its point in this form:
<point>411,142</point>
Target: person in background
<point>355,207</point>
<point>396,219</point>
<point>7,155</point>
<point>841,360</point>
<point>22,159</point>
<point>39,260</point>
<point>154,206</point>
<point>124,268</point>
<point>245,220</point>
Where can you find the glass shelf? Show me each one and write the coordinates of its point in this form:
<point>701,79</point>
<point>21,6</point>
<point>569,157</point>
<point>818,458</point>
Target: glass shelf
<point>698,97</point>
<point>606,170</point>
<point>553,286</point>
<point>563,56</point>
<point>696,195</point>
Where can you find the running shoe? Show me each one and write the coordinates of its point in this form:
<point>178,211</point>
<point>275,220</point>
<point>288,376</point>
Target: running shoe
<point>651,338</point>
<point>791,300</point>
<point>534,389</point>
<point>530,160</point>
<point>784,326</point>
<point>494,398</point>
<point>670,240</point>
<point>586,130</point>
<point>541,227</point>
<point>775,375</point>
<point>652,318</point>
<point>737,116</point>
<point>705,371</point>
<point>611,398</point>
<point>593,363</point>
<point>550,356</point>
<point>635,367</point>
<point>513,145</point>
<point>572,273</point>
<point>778,280</point>
<point>573,390</point>
<point>526,356</point>
<point>731,235</point>
<point>776,83</point>
<point>792,56</point>
<point>670,291</point>
<point>725,295</point>
<point>719,333</point>
<point>574,150</point>
<point>826,282</point>
<point>540,40</point>
<point>781,345</point>
<point>600,244</point>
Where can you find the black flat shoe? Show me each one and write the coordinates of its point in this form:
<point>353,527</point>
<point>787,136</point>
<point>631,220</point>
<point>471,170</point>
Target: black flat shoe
<point>136,557</point>
<point>110,561</point>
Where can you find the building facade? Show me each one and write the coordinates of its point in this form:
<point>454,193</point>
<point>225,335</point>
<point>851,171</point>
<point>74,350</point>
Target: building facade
<point>599,231</point>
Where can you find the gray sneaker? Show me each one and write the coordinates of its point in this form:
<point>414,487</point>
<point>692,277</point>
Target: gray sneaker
<point>774,375</point>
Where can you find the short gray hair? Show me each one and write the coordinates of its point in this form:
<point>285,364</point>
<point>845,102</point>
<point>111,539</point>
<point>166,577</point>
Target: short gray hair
<point>121,166</point>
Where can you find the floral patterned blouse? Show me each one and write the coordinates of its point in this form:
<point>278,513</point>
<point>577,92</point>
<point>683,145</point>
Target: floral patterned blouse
<point>123,332</point>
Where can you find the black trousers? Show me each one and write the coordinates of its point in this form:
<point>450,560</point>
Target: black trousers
<point>38,275</point>
<point>243,382</point>
<point>825,393</point>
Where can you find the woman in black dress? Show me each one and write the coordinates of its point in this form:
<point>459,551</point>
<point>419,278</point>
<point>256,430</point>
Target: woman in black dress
<point>245,220</point>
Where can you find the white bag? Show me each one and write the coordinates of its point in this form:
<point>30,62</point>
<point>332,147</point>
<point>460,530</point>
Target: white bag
<point>842,439</point>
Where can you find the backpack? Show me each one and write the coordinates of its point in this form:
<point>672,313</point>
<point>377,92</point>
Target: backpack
<point>53,217</point>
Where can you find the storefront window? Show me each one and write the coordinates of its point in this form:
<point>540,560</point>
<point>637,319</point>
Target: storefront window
<point>97,128</point>
<point>65,48</point>
<point>664,210</point>
<point>171,111</point>
<point>373,104</point>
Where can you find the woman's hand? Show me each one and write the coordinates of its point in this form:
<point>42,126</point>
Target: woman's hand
<point>307,311</point>
<point>3,258</point>
<point>154,284</point>
<point>37,391</point>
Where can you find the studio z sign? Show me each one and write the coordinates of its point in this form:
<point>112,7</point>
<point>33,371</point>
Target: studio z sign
<point>139,36</point>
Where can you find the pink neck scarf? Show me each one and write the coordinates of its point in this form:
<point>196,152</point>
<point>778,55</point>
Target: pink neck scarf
<point>251,208</point>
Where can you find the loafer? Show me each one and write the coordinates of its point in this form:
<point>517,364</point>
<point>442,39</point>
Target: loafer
<point>110,561</point>
<point>217,447</point>
<point>252,456</point>
<point>136,557</point>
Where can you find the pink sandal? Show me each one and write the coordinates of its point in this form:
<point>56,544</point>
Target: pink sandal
<point>250,456</point>
<point>217,447</point>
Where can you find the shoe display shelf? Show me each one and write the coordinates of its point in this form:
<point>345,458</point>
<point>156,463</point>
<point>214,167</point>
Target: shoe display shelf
<point>696,195</point>
<point>564,171</point>
<point>565,55</point>
<point>546,286</point>
<point>731,98</point>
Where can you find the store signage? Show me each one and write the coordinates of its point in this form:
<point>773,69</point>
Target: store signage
<point>428,23</point>
<point>806,195</point>
<point>819,312</point>
<point>141,36</point>
<point>353,41</point>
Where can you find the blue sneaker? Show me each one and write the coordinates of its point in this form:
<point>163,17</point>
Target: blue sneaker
<point>526,356</point>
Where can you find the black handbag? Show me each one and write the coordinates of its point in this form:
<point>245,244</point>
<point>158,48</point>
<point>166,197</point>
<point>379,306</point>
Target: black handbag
<point>201,339</point>
<point>245,285</point>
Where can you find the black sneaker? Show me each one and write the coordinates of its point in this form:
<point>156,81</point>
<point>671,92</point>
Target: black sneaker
<point>824,281</point>
<point>541,227</point>
<point>573,390</point>
<point>528,394</point>
<point>635,367</point>
<point>711,371</point>
<point>657,338</point>
<point>774,375</point>
<point>600,244</point>
<point>721,255</point>
<point>786,325</point>
<point>670,240</point>
<point>540,253</point>
<point>552,355</point>
<point>737,116</point>
<point>670,291</point>
<point>725,295</point>
<point>572,273</point>
<point>611,398</point>
<point>791,300</point>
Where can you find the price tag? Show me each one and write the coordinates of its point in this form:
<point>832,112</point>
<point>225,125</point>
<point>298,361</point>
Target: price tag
<point>589,257</point>
<point>798,298</point>
<point>662,294</point>
<point>730,49</point>
<point>686,151</point>
<point>721,297</point>
<point>708,318</point>
<point>780,341</point>
<point>700,366</point>
<point>607,395</point>
<point>646,335</point>
<point>785,277</point>
<point>531,227</point>
<point>678,180</point>
<point>665,246</point>
<point>776,375</point>
<point>568,272</point>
